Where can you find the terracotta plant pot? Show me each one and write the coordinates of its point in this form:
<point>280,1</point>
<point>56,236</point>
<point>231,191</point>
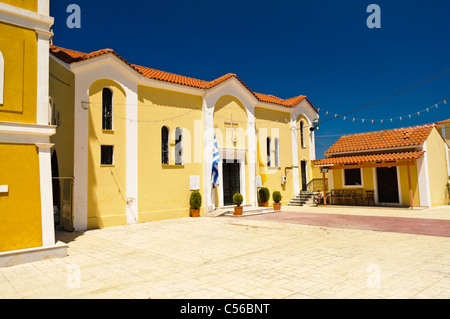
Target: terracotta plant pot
<point>265,204</point>
<point>195,212</point>
<point>238,210</point>
<point>277,206</point>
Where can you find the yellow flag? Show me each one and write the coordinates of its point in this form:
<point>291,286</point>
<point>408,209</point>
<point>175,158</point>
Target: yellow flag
<point>262,166</point>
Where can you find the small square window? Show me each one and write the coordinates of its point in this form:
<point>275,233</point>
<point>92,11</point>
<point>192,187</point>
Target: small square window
<point>352,177</point>
<point>107,155</point>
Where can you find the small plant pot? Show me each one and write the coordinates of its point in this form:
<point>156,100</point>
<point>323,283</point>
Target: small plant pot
<point>264,204</point>
<point>277,206</point>
<point>195,212</point>
<point>238,210</point>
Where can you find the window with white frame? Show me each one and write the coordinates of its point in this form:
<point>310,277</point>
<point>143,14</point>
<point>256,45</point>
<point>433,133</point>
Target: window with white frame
<point>178,146</point>
<point>352,177</point>
<point>107,109</point>
<point>302,134</point>
<point>165,145</point>
<point>277,152</point>
<point>269,157</point>
<point>107,155</point>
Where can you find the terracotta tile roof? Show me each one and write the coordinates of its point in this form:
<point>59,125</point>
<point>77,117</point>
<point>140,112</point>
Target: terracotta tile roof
<point>71,56</point>
<point>373,158</point>
<point>394,138</point>
<point>444,122</point>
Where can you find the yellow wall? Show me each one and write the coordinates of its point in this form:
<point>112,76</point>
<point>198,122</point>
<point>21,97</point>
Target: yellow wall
<point>437,168</point>
<point>31,5</point>
<point>62,91</point>
<point>164,189</point>
<point>106,183</point>
<point>20,209</point>
<point>20,88</point>
<point>273,124</point>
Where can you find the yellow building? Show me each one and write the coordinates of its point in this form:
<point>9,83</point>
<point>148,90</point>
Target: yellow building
<point>138,141</point>
<point>399,167</point>
<point>26,207</point>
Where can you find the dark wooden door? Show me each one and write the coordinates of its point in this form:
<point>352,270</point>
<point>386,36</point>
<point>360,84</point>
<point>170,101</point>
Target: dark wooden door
<point>387,185</point>
<point>231,181</point>
<point>303,170</point>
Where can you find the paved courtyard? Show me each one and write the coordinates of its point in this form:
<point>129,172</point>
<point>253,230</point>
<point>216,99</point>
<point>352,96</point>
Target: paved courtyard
<point>242,257</point>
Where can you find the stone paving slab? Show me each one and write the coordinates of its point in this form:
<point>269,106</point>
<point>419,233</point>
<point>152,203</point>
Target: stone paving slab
<point>234,258</point>
<point>408,225</point>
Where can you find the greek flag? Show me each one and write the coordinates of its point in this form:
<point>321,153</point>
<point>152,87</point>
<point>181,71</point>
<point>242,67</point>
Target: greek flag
<point>215,164</point>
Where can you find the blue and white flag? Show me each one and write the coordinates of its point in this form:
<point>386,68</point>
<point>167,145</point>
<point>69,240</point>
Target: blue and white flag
<point>215,164</point>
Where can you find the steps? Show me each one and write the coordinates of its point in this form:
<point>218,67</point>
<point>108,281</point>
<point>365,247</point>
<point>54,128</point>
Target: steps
<point>248,210</point>
<point>304,198</point>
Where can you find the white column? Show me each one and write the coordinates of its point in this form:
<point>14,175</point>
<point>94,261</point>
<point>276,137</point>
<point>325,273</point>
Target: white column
<point>80,163</point>
<point>45,174</point>
<point>251,135</point>
<point>208,137</point>
<point>295,179</point>
<point>423,180</point>
<point>132,156</point>
<point>42,77</point>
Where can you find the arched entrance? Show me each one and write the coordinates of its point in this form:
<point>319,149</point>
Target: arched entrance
<point>230,126</point>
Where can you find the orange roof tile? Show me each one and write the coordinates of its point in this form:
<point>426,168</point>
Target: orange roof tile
<point>372,158</point>
<point>71,56</point>
<point>394,138</point>
<point>444,122</point>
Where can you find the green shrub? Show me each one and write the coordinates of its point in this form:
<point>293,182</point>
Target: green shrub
<point>238,199</point>
<point>276,196</point>
<point>264,194</point>
<point>196,200</point>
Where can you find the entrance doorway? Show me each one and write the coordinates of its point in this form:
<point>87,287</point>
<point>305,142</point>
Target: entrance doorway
<point>231,180</point>
<point>303,171</point>
<point>387,185</point>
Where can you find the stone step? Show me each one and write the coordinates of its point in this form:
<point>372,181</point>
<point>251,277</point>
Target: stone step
<point>248,210</point>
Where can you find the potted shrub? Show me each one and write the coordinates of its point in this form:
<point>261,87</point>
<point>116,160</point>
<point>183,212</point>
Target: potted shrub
<point>195,202</point>
<point>238,199</point>
<point>276,196</point>
<point>264,195</point>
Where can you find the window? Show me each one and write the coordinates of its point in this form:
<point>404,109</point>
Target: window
<point>178,146</point>
<point>302,134</point>
<point>352,177</point>
<point>107,155</point>
<point>165,145</point>
<point>2,76</point>
<point>107,109</point>
<point>268,152</point>
<point>277,152</point>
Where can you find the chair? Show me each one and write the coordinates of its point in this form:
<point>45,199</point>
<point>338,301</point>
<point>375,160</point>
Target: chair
<point>338,195</point>
<point>332,196</point>
<point>358,196</point>
<point>370,197</point>
<point>347,196</point>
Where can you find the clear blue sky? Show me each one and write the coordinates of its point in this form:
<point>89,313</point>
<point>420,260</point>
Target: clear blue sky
<point>322,49</point>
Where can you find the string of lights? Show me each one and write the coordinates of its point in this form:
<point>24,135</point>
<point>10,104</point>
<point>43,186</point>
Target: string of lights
<point>262,122</point>
<point>382,120</point>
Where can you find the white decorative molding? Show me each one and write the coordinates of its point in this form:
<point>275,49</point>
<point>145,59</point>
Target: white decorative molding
<point>26,129</point>
<point>3,189</point>
<point>25,18</point>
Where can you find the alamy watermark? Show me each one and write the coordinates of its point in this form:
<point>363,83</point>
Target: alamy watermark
<point>74,19</point>
<point>374,19</point>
